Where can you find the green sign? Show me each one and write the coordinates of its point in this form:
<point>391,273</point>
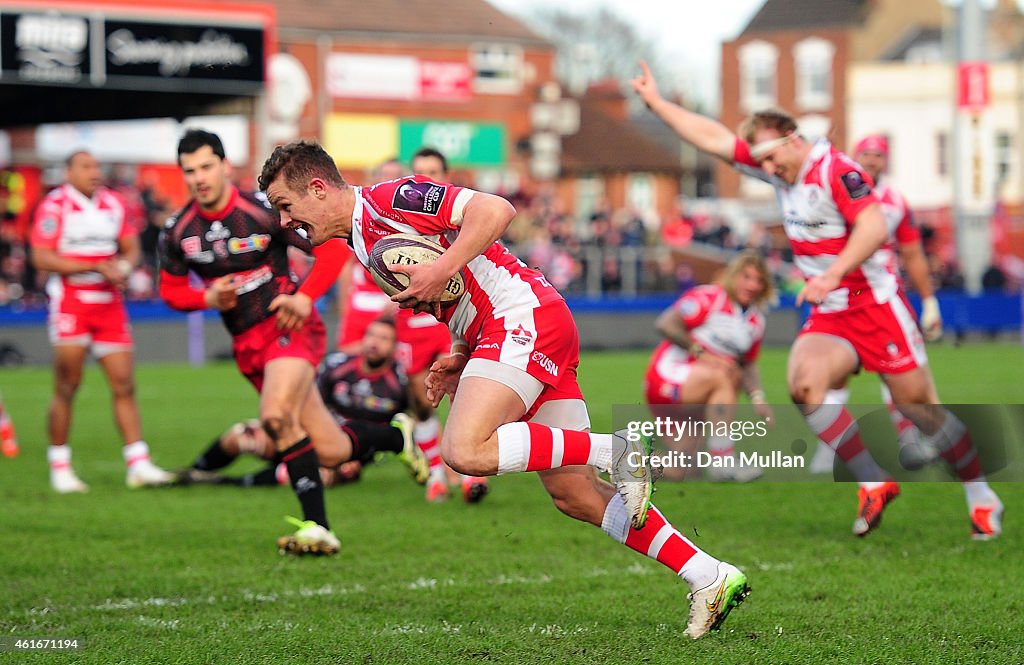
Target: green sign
<point>472,144</point>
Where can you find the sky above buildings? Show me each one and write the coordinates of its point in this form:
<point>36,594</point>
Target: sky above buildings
<point>687,33</point>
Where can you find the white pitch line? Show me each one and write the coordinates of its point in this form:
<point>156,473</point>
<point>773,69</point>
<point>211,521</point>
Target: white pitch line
<point>637,568</point>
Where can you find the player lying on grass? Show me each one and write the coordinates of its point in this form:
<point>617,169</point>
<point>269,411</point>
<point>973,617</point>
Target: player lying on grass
<point>712,338</point>
<point>516,404</point>
<point>858,316</point>
<point>366,393</point>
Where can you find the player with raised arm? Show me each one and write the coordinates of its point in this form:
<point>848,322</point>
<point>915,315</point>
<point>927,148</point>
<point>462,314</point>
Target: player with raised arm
<point>712,337</point>
<point>905,249</point>
<point>858,319</point>
<point>516,404</point>
<point>83,237</point>
<point>366,393</point>
<point>233,242</point>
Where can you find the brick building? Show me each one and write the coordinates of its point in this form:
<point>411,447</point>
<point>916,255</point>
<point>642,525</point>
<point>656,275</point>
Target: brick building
<point>795,55</point>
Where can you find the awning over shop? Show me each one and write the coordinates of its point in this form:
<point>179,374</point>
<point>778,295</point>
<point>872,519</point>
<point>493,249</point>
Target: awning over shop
<point>65,60</point>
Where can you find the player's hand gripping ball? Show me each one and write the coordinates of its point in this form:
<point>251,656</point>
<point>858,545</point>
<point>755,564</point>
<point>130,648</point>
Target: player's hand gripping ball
<point>409,249</point>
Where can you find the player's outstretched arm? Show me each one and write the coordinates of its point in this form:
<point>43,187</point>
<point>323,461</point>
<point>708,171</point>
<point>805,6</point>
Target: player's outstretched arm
<point>703,133</point>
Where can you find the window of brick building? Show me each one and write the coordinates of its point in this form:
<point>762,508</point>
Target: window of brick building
<point>1004,155</point>
<point>813,59</point>
<point>497,68</point>
<point>758,72</point>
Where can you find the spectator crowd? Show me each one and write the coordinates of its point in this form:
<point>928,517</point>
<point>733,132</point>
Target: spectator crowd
<point>605,252</point>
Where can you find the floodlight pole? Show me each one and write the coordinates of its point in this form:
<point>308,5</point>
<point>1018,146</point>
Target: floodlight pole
<point>973,149</point>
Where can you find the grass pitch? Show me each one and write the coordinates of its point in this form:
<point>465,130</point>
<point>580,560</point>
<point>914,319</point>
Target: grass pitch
<point>192,575</point>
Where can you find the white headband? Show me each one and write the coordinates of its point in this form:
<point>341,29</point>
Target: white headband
<point>760,150</point>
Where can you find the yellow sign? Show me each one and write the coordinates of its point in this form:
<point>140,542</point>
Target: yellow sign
<point>359,140</point>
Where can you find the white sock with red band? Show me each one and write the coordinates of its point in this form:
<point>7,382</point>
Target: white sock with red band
<point>836,427</point>
<point>59,457</point>
<point>905,429</point>
<point>721,446</point>
<point>659,540</point>
<point>134,453</point>
<point>532,447</point>
<point>954,444</point>
<point>427,435</point>
<point>837,396</point>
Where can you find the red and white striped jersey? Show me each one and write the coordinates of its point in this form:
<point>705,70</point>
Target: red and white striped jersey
<point>902,229</point>
<point>819,212</point>
<point>719,324</point>
<point>364,295</point>
<point>715,322</point>
<point>498,285</point>
<point>79,227</point>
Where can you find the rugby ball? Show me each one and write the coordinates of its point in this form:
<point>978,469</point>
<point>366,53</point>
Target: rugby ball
<point>409,249</point>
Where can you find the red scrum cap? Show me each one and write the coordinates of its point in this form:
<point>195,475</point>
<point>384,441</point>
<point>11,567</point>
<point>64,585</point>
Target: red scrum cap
<point>873,143</point>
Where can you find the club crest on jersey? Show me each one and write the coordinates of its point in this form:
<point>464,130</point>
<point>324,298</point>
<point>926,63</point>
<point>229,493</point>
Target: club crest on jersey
<point>689,308</point>
<point>217,232</point>
<point>421,197</point>
<point>257,242</point>
<point>855,184</point>
<point>48,227</point>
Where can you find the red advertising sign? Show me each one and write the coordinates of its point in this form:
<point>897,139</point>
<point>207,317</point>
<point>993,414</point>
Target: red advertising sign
<point>972,86</point>
<point>445,81</point>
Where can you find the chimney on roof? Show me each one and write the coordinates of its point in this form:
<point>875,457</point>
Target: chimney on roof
<point>607,96</point>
